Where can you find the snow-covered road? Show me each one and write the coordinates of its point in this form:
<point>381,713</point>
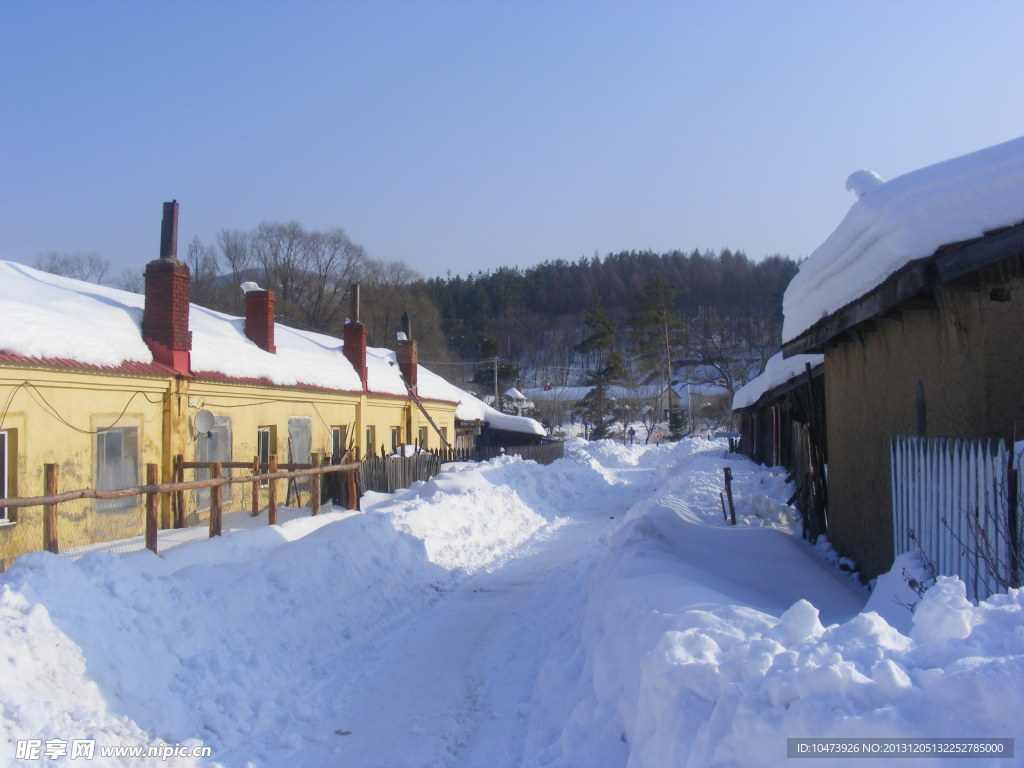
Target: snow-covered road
<point>455,682</point>
<point>597,612</point>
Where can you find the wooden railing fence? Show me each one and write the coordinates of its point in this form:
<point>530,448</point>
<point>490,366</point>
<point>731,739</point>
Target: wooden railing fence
<point>269,474</point>
<point>959,501</point>
<point>342,482</point>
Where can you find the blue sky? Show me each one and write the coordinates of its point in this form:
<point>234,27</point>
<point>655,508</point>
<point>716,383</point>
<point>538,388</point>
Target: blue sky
<point>471,135</point>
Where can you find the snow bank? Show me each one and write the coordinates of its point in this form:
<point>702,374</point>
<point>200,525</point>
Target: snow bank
<point>223,641</point>
<point>902,220</point>
<point>687,641</point>
<point>695,658</point>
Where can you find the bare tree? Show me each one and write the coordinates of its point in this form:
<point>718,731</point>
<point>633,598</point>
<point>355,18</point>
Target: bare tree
<point>310,272</point>
<point>209,288</point>
<point>722,350</point>
<point>80,265</point>
<point>130,280</point>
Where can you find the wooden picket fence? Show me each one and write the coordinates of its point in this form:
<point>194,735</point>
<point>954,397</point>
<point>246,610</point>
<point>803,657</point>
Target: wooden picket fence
<point>544,453</point>
<point>386,474</point>
<point>959,501</point>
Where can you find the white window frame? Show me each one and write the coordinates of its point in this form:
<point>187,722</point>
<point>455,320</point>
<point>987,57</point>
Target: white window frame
<point>217,448</point>
<point>125,440</point>
<point>338,434</point>
<point>4,477</point>
<point>265,449</point>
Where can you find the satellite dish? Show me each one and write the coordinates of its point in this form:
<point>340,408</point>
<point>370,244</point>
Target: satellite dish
<point>203,421</point>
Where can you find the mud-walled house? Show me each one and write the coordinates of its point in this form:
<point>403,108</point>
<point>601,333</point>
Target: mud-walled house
<point>916,301</point>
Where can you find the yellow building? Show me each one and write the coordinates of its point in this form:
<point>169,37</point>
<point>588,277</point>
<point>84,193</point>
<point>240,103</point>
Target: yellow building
<point>102,382</point>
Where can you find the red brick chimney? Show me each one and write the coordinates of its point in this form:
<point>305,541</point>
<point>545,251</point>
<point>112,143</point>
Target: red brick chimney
<point>165,314</point>
<point>408,355</point>
<point>259,318</point>
<point>355,339</point>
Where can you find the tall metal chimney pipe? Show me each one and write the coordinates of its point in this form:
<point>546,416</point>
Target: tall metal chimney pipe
<point>355,303</point>
<point>169,232</point>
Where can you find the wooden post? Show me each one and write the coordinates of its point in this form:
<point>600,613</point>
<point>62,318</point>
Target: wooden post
<point>50,542</point>
<point>353,493</point>
<point>151,501</point>
<point>215,509</point>
<point>179,496</point>
<point>272,493</point>
<point>314,486</point>
<point>728,493</point>
<point>255,487</point>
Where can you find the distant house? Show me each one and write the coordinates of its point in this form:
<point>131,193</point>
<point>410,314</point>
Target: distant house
<point>557,405</point>
<point>102,382</point>
<point>917,303</point>
<point>701,396</point>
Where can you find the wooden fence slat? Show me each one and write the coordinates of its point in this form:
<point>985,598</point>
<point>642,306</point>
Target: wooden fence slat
<point>216,519</point>
<point>272,493</point>
<point>254,509</point>
<point>314,486</point>
<point>50,536</point>
<point>151,516</point>
<point>179,496</point>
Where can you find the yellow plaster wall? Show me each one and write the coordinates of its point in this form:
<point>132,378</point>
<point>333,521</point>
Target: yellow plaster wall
<point>56,414</point>
<point>163,410</point>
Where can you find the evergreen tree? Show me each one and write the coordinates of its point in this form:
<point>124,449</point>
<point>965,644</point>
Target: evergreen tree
<point>656,326</point>
<point>608,369</point>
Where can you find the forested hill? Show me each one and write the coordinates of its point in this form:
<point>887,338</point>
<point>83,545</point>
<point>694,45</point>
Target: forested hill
<point>726,282</point>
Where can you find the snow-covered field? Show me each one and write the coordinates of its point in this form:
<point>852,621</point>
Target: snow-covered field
<point>596,612</point>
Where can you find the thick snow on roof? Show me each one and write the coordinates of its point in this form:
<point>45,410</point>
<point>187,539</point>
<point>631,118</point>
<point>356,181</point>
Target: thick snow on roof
<point>50,316</point>
<point>903,220</point>
<point>777,371</point>
<point>58,317</point>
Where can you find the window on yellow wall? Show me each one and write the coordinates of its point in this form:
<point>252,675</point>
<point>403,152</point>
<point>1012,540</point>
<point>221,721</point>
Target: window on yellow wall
<point>423,437</point>
<point>396,437</point>
<point>266,446</point>
<point>338,446</point>
<point>371,441</point>
<point>117,466</point>
<point>214,446</point>
<point>8,472</point>
<point>300,447</point>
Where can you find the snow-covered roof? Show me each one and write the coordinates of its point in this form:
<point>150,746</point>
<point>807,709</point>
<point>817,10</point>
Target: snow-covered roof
<point>471,408</point>
<point>56,317</point>
<point>901,221</point>
<point>575,394</point>
<point>777,371</point>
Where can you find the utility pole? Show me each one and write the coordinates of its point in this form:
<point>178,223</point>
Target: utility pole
<point>495,361</point>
